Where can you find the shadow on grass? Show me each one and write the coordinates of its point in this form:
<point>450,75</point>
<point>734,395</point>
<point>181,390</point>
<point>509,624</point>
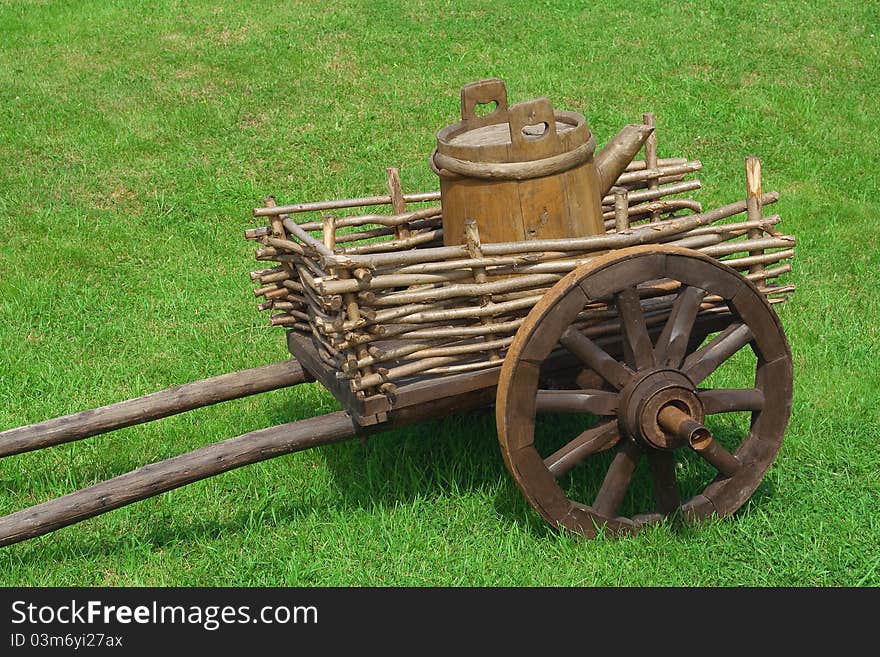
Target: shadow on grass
<point>450,457</point>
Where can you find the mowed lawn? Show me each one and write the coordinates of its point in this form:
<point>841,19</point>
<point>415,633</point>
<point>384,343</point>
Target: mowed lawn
<point>135,140</point>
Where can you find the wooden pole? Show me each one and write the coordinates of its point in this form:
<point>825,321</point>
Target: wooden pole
<point>344,203</point>
<point>621,209</point>
<point>472,239</point>
<point>398,202</point>
<point>651,158</point>
<point>352,311</point>
<point>762,259</point>
<point>653,175</point>
<point>660,192</point>
<point>591,243</point>
<point>638,165</point>
<point>390,220</point>
<point>152,407</point>
<point>275,219</point>
<point>386,230</point>
<point>418,239</point>
<point>669,205</point>
<point>753,203</point>
<point>157,478</point>
<point>737,246</point>
<point>279,239</point>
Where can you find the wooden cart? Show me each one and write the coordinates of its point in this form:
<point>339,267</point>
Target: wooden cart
<point>623,331</point>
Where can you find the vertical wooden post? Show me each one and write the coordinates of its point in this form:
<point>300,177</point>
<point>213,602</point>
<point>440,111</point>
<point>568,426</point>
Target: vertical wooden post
<point>621,209</point>
<point>328,231</point>
<point>753,203</point>
<point>349,300</point>
<point>275,220</point>
<point>276,223</point>
<point>328,237</point>
<point>398,202</point>
<point>651,159</point>
<point>472,239</point>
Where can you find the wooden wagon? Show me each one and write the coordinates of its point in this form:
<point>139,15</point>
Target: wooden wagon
<point>622,332</point>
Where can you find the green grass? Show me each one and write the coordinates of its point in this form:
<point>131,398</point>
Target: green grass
<point>134,140</point>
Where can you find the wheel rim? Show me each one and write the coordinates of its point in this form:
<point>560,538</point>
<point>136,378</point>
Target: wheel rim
<point>652,405</point>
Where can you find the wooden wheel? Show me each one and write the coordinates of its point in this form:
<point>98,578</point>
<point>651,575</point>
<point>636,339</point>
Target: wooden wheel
<point>647,402</point>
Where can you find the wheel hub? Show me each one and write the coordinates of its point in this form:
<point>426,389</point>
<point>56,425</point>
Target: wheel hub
<point>642,401</point>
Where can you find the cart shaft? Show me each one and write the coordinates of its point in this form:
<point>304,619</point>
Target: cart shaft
<point>216,458</point>
<point>163,476</point>
<point>152,407</point>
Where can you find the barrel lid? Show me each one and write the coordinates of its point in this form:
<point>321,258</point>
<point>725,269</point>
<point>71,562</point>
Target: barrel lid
<point>523,132</point>
<point>499,134</point>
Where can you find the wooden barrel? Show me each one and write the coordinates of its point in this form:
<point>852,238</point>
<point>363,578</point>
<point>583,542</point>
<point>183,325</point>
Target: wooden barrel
<point>522,172</point>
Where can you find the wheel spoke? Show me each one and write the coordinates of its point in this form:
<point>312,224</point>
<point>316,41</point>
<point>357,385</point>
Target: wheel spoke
<point>665,484</point>
<point>637,343</point>
<point>673,341</point>
<point>730,400</point>
<point>589,442</point>
<point>719,458</point>
<point>617,479</point>
<point>709,358</point>
<point>590,354</point>
<point>597,402</point>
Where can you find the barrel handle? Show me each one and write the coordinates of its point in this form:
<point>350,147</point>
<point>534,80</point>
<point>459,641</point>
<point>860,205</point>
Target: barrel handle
<point>529,113</point>
<point>482,92</point>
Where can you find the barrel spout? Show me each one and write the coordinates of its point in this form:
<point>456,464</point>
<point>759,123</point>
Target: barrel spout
<point>618,153</point>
